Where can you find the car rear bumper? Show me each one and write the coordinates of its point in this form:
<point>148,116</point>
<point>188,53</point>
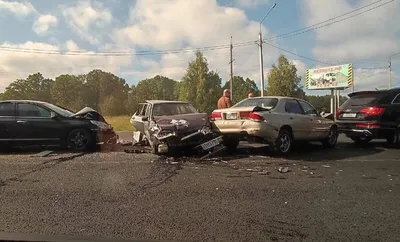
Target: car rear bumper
<point>351,130</point>
<point>245,128</point>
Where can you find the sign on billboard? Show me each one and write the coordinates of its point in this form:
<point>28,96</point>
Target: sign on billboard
<point>333,77</point>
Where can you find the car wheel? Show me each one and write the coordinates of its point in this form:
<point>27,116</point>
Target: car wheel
<point>283,144</point>
<point>231,143</point>
<point>79,140</point>
<point>332,138</point>
<point>361,139</point>
<point>394,140</point>
<point>154,145</point>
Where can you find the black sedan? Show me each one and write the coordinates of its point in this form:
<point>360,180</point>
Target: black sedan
<point>27,122</point>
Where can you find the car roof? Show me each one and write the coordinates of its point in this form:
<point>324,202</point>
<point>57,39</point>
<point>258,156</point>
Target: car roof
<point>163,101</point>
<point>278,97</point>
<point>23,101</point>
<point>384,91</point>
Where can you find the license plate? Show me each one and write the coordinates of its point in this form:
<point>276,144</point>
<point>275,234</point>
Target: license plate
<point>210,144</point>
<point>349,115</point>
<point>230,116</point>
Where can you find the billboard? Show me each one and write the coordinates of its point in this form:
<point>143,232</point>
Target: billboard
<point>332,77</point>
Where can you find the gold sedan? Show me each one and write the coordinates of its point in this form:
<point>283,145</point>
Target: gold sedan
<point>277,121</point>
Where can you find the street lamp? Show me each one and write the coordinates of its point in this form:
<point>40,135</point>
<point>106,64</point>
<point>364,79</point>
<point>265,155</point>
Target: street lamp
<point>261,52</point>
<point>390,69</point>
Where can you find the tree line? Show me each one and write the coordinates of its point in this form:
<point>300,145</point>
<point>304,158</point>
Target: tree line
<point>111,95</point>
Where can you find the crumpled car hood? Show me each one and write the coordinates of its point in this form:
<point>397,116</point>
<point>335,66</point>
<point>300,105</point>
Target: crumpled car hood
<point>89,113</point>
<point>182,123</point>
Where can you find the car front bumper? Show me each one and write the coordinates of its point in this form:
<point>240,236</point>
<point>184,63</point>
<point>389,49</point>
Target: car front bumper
<point>106,137</point>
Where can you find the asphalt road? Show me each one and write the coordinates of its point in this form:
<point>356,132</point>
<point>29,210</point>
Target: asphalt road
<point>345,194</point>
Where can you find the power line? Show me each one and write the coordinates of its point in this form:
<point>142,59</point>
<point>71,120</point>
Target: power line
<point>301,56</point>
<point>327,23</point>
<point>124,53</point>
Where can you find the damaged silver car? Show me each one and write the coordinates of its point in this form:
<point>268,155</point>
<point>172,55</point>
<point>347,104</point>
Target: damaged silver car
<point>168,125</point>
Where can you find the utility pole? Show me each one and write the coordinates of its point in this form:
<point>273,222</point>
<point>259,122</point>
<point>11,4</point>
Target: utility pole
<point>261,63</point>
<point>260,42</point>
<point>231,63</point>
<point>390,69</point>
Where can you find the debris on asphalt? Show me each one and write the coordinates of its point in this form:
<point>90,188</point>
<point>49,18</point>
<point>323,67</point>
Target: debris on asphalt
<point>124,142</point>
<point>137,149</point>
<point>326,166</point>
<point>45,153</point>
<point>283,169</point>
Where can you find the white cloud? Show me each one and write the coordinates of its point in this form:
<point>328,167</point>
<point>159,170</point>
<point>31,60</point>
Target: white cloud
<point>43,23</point>
<point>86,17</point>
<point>17,8</point>
<point>161,25</point>
<point>250,3</point>
<point>15,65</point>
<point>370,35</point>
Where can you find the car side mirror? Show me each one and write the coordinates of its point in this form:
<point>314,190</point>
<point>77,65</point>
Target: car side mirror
<point>144,119</point>
<point>53,115</point>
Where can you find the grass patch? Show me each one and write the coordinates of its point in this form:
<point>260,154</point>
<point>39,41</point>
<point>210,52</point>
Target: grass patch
<point>120,123</point>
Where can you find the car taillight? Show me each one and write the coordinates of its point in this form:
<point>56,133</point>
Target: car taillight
<point>255,117</point>
<point>372,111</point>
<point>215,115</point>
<point>338,112</point>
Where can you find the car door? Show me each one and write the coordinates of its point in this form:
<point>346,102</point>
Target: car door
<point>7,121</point>
<point>395,108</point>
<point>139,117</point>
<point>319,126</point>
<point>35,123</point>
<point>297,120</point>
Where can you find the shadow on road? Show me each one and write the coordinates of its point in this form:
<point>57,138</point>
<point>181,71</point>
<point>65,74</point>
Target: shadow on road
<point>311,152</point>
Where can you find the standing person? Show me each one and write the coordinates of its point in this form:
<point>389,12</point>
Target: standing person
<point>225,101</point>
<point>250,95</point>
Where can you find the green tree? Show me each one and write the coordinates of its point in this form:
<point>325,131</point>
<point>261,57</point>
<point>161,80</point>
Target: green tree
<point>241,88</point>
<point>156,88</point>
<point>283,79</point>
<point>100,85</point>
<point>35,87</point>
<point>200,86</point>
<point>68,91</point>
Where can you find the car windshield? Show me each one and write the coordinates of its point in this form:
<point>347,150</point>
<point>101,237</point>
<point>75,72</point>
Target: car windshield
<point>269,103</point>
<point>59,110</point>
<point>169,109</point>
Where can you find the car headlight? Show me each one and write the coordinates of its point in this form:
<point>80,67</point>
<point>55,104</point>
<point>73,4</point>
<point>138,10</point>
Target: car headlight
<point>101,125</point>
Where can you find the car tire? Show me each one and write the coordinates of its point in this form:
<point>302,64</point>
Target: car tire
<point>332,139</point>
<point>154,146</point>
<point>394,140</point>
<point>283,143</point>
<point>231,143</point>
<point>361,140</point>
<point>79,140</point>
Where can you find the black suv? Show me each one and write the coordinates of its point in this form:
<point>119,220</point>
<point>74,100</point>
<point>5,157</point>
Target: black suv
<point>371,115</point>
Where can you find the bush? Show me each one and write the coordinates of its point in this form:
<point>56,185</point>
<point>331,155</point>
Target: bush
<point>120,123</point>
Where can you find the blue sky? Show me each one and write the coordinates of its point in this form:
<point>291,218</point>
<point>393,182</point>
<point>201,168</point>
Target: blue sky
<point>366,40</point>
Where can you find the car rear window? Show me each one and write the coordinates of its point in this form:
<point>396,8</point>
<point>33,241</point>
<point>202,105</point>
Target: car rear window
<point>363,100</point>
<point>269,103</point>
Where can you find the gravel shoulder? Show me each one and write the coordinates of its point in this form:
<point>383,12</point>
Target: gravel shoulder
<point>342,194</point>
